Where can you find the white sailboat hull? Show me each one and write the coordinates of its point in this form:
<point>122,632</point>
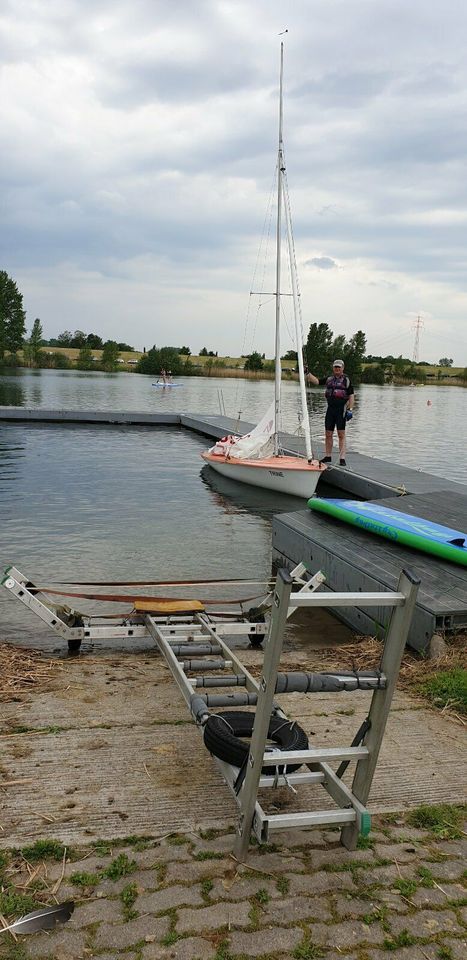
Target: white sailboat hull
<point>289,475</point>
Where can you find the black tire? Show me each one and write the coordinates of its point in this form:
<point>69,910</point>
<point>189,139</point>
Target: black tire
<point>223,731</point>
<point>256,640</point>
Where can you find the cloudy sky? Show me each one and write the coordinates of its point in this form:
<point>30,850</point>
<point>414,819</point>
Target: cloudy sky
<point>137,156</point>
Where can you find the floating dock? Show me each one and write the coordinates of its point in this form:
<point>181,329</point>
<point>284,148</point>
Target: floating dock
<point>351,559</point>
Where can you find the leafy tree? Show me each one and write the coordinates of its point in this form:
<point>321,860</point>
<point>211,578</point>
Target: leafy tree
<point>12,316</point>
<point>254,361</point>
<point>165,358</point>
<point>61,362</point>
<point>374,374</point>
<point>126,347</point>
<point>64,339</point>
<point>94,341</point>
<point>110,355</point>
<point>207,353</point>
<point>412,372</point>
<point>446,362</point>
<point>318,349</point>
<point>35,341</point>
<point>79,339</point>
<point>185,351</point>
<point>354,352</point>
<point>339,347</point>
<point>84,361</point>
<point>290,355</point>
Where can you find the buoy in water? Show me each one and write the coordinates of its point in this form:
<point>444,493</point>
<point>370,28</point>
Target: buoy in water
<point>428,403</point>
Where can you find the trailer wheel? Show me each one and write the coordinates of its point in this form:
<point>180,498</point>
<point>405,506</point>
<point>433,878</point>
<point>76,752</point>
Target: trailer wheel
<point>224,735</point>
<point>74,646</point>
<point>256,640</point>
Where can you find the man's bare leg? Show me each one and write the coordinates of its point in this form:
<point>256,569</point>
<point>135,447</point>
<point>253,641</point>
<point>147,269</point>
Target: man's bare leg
<point>341,436</point>
<point>328,443</point>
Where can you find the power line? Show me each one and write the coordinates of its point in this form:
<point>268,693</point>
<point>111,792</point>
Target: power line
<point>417,326</point>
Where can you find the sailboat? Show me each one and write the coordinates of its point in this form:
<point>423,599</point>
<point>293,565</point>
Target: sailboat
<point>257,458</point>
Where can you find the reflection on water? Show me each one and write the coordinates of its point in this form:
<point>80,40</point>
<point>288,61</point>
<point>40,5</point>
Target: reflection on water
<point>12,393</point>
<point>135,503</point>
<point>117,504</point>
<point>391,423</point>
<point>232,497</point>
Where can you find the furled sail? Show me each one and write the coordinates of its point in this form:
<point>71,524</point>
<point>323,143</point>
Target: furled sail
<point>256,445</point>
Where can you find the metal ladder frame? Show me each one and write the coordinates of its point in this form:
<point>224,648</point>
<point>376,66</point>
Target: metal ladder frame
<point>352,815</point>
<point>183,636</point>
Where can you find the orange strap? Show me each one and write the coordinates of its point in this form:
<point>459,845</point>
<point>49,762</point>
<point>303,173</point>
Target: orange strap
<point>132,598</point>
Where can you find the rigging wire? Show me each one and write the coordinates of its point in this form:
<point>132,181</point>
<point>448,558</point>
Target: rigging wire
<point>293,266</point>
<point>263,251</point>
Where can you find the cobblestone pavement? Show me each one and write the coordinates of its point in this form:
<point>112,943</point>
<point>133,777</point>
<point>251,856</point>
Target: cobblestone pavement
<point>402,893</point>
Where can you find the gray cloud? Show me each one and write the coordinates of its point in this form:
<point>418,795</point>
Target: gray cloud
<point>137,152</point>
<point>322,263</point>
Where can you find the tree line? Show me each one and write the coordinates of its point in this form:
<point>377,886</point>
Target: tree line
<point>321,348</point>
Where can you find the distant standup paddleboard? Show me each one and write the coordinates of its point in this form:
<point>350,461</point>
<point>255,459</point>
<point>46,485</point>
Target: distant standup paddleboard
<point>167,384</point>
<point>399,527</point>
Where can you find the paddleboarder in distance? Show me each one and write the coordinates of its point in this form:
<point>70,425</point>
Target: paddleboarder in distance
<point>339,394</point>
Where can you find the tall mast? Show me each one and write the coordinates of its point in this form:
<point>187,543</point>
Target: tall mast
<point>305,420</point>
<point>280,164</point>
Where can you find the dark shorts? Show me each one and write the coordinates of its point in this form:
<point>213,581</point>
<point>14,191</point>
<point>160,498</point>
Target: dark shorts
<point>335,417</point>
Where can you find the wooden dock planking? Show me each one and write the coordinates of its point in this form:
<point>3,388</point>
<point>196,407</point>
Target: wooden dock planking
<point>353,559</point>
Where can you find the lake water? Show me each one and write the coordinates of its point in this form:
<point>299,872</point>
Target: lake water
<point>136,503</point>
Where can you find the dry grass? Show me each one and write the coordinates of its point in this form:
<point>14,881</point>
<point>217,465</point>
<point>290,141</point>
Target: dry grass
<point>365,653</point>
<point>23,670</point>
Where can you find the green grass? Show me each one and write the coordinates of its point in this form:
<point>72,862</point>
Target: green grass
<point>170,938</point>
<point>307,950</point>
<point>406,887</point>
<point>442,820</point>
<point>426,877</point>
<point>378,914</point>
<point>445,953</point>
<point>128,897</point>
<point>15,951</point>
<point>208,855</point>
<point>14,904</point>
<point>447,687</point>
<point>403,939</point>
<point>283,885</point>
<point>365,843</point>
<point>206,887</point>
<point>83,879</point>
<point>120,867</point>
<point>43,850</point>
<point>222,952</point>
<point>178,840</point>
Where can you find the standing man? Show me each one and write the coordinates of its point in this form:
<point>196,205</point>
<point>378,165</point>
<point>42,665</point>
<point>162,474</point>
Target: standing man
<point>339,394</point>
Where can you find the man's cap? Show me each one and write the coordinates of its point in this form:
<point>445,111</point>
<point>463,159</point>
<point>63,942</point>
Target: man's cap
<point>338,363</point>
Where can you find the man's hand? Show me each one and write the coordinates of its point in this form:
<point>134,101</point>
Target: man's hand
<point>348,414</point>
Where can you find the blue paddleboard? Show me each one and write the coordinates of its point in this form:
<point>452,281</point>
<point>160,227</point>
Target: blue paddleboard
<point>399,527</point>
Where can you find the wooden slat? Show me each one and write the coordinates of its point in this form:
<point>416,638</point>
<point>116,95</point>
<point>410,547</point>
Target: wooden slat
<point>167,607</point>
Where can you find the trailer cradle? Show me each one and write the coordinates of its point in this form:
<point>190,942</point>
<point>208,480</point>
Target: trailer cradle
<point>192,643</point>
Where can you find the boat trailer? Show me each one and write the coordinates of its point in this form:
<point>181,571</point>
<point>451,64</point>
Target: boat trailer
<point>191,643</point>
